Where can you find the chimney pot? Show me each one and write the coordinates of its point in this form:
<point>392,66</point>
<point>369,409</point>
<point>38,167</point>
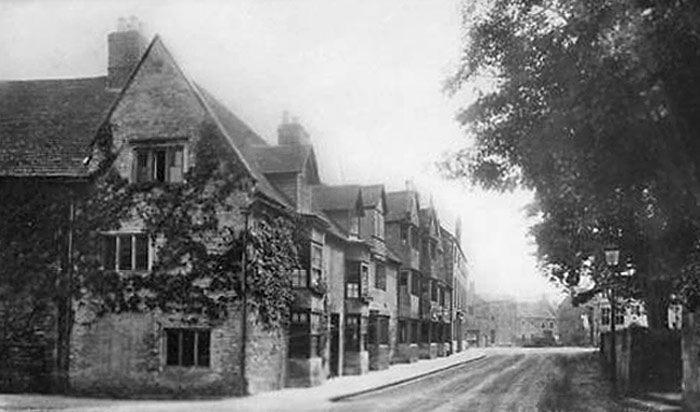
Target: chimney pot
<point>125,46</point>
<point>292,133</point>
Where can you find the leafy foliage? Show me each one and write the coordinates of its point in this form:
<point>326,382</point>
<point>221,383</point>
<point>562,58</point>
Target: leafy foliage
<point>196,227</point>
<point>591,107</point>
<point>200,239</point>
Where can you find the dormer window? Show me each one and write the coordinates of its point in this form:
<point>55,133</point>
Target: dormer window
<point>354,225</point>
<point>159,164</point>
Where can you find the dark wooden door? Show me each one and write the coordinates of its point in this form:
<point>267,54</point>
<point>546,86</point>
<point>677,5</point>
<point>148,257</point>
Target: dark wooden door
<point>335,344</point>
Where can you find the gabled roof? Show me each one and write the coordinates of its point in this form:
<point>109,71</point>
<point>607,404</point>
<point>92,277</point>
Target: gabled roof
<point>234,130</point>
<point>241,137</point>
<point>329,198</point>
<point>539,309</point>
<point>46,126</point>
<point>286,159</point>
<point>399,204</point>
<point>281,159</point>
<point>373,195</point>
<point>428,220</point>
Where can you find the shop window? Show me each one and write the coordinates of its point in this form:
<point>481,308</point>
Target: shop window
<point>403,331</point>
<point>352,333</point>
<point>159,164</point>
<point>383,329</point>
<point>299,335</point>
<point>414,332</point>
<point>187,347</point>
<point>425,332</point>
<point>125,252</point>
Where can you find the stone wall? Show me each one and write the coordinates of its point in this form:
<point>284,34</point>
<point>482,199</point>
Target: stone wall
<point>266,356</point>
<point>29,351</point>
<point>356,363</point>
<point>123,355</point>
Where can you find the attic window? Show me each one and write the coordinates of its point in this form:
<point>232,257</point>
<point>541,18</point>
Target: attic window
<point>159,164</point>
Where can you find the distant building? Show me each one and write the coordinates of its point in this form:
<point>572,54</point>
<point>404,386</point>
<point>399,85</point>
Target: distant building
<point>537,324</point>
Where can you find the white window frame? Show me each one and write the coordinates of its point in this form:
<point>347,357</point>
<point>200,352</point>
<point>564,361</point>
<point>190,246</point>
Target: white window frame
<point>150,149</point>
<point>316,268</point>
<point>150,252</point>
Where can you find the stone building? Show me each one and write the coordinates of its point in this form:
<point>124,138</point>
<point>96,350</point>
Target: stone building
<point>155,115</point>
<point>436,299</point>
<point>456,265</point>
<point>537,324</point>
<point>480,321</point>
<point>402,236</point>
<point>376,274</point>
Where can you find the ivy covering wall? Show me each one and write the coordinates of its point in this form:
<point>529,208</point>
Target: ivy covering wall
<point>197,230</point>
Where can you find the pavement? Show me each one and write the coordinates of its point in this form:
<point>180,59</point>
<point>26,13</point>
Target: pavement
<point>655,402</point>
<point>332,390</point>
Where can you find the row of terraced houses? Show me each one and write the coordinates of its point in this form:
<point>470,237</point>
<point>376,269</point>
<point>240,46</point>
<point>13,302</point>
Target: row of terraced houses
<point>382,280</point>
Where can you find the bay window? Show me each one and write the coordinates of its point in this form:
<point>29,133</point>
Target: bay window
<point>316,264</point>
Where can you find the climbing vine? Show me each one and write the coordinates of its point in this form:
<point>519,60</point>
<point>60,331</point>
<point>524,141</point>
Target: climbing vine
<point>201,240</point>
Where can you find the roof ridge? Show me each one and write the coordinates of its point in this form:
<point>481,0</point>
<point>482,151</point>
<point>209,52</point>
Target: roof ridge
<point>53,79</point>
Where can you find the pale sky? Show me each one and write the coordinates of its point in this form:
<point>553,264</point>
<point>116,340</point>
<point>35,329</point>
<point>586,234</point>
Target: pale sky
<point>363,77</point>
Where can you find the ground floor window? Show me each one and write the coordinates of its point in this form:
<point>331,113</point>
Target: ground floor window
<point>425,332</point>
<point>414,331</point>
<point>187,347</point>
<point>299,335</point>
<point>355,333</point>
<point>435,332</point>
<point>378,332</point>
<point>306,334</point>
<point>403,332</point>
<point>384,330</point>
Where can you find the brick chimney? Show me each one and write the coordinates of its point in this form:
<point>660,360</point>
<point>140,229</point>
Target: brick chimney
<point>291,132</point>
<point>125,47</point>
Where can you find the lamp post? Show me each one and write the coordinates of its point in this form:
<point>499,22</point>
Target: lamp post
<point>612,258</point>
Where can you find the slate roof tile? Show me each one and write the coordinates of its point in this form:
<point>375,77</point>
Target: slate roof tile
<point>46,126</point>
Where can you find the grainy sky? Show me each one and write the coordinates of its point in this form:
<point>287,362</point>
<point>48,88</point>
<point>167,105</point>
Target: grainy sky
<point>364,78</point>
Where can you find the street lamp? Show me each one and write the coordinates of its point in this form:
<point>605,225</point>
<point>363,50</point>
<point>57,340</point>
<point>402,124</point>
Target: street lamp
<point>612,258</point>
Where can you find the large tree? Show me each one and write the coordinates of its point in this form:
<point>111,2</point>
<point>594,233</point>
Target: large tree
<point>593,104</point>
